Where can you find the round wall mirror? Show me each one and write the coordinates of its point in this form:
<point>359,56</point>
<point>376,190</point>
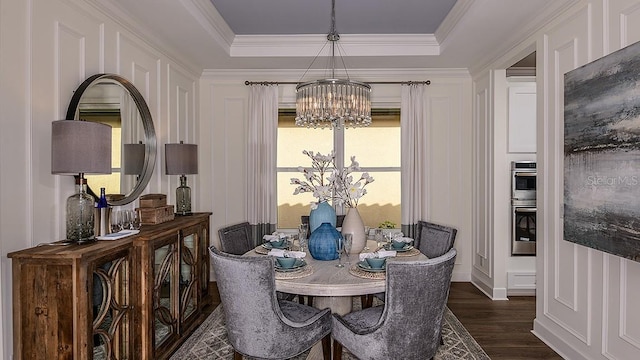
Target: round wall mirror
<point>113,100</point>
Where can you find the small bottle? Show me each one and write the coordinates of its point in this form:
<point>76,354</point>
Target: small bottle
<point>102,209</point>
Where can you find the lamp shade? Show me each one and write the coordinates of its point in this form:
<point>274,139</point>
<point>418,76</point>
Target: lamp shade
<point>133,158</point>
<point>181,159</point>
<point>80,147</point>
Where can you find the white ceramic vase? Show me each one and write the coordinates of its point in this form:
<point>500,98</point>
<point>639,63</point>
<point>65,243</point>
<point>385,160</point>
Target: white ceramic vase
<point>353,225</point>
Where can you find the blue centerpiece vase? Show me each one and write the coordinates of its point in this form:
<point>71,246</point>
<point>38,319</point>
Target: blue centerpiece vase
<point>323,213</point>
<point>322,242</point>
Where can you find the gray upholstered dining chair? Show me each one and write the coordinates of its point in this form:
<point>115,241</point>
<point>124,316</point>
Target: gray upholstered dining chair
<point>236,239</point>
<point>409,325</point>
<point>258,324</point>
<point>434,240</point>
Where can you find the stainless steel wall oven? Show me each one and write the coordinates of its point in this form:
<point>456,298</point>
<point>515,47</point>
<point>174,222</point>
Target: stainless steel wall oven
<point>523,208</point>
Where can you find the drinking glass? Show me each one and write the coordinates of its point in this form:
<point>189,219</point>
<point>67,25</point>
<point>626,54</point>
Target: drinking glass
<point>379,237</point>
<point>388,238</point>
<point>366,238</point>
<point>116,221</point>
<point>303,231</point>
<point>340,250</point>
<point>135,220</point>
<point>126,219</point>
<point>348,241</point>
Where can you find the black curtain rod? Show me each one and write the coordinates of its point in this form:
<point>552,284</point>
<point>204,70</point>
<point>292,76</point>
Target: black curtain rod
<point>427,82</point>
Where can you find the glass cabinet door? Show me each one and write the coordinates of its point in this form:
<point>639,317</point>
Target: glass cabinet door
<point>110,300</point>
<point>188,280</point>
<point>204,265</point>
<point>164,315</point>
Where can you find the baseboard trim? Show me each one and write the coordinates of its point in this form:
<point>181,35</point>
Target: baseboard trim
<point>492,293</point>
<point>552,340</point>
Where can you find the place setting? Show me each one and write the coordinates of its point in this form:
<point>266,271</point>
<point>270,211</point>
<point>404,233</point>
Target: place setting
<point>275,241</point>
<point>290,264</point>
<point>401,245</point>
<point>372,265</point>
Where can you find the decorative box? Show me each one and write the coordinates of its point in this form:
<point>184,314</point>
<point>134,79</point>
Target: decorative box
<point>156,215</point>
<point>153,200</point>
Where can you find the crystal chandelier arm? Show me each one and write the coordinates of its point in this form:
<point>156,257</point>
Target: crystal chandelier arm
<point>306,71</point>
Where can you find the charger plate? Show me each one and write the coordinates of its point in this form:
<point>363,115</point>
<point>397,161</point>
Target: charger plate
<point>355,270</point>
<point>412,252</point>
<point>261,250</point>
<point>299,263</point>
<point>300,273</point>
<point>268,246</point>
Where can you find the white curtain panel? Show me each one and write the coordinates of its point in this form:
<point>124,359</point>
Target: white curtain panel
<point>414,124</point>
<point>261,157</point>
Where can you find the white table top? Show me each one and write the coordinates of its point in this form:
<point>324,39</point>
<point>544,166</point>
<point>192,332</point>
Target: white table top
<point>329,280</point>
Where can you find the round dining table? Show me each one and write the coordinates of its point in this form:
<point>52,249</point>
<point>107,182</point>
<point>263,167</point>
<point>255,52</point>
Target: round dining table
<point>331,286</point>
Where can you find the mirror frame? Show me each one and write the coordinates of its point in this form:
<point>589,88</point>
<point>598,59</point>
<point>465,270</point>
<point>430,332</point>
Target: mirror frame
<point>147,123</point>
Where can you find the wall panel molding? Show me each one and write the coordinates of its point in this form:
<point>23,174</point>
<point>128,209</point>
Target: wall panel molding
<point>482,225</point>
<point>620,330</point>
<point>624,27</point>
<point>182,122</point>
<point>566,287</point>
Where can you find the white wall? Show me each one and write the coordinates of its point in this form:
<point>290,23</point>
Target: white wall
<point>47,48</point>
<point>585,298</point>
<point>224,106</point>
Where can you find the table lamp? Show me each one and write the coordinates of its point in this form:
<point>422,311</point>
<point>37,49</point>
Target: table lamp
<point>181,159</point>
<point>78,148</point>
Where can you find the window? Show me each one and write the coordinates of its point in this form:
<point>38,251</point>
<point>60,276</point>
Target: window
<point>376,148</point>
<point>111,117</point>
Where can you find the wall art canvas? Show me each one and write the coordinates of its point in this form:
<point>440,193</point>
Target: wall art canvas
<point>602,154</point>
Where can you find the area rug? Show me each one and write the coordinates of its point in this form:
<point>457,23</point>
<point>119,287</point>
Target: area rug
<point>210,342</point>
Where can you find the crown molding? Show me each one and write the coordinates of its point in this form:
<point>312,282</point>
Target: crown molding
<point>521,71</point>
<point>211,21</point>
<point>350,45</point>
<point>526,34</point>
<point>239,76</point>
<point>452,19</point>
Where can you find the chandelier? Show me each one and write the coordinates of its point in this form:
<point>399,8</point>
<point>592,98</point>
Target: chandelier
<point>332,102</point>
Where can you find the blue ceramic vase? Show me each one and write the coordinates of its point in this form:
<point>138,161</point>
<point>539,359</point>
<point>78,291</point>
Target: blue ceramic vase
<point>322,242</point>
<point>323,213</point>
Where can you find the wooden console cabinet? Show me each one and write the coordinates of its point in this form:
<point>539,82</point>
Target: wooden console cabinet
<point>133,298</point>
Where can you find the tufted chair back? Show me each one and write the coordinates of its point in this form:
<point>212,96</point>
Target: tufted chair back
<point>408,326</point>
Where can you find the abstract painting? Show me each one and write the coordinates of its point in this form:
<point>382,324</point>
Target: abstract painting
<point>602,154</point>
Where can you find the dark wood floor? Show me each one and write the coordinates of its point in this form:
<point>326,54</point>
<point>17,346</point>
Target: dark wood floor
<point>502,328</point>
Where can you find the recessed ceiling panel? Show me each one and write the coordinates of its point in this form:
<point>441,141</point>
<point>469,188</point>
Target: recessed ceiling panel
<point>285,17</point>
